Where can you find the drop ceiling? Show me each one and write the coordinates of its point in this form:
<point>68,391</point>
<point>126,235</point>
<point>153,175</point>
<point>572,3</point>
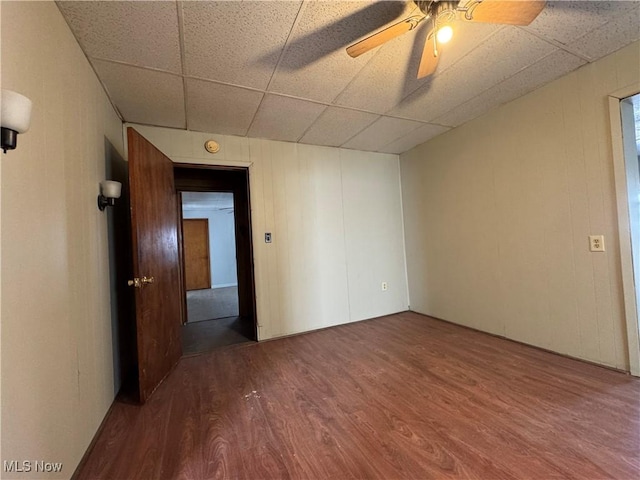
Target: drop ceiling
<point>279,70</point>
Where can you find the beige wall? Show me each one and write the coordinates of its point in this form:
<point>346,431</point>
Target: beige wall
<point>498,211</point>
<point>336,220</point>
<point>57,364</point>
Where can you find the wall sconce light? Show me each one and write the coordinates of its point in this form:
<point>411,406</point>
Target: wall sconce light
<point>109,191</point>
<point>15,115</point>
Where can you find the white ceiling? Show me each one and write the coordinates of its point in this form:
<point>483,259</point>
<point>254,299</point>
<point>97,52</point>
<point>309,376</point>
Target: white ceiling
<point>279,70</point>
<point>207,201</point>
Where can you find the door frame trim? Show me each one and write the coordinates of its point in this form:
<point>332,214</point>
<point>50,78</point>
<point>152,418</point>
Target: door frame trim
<point>630,301</point>
<point>251,259</point>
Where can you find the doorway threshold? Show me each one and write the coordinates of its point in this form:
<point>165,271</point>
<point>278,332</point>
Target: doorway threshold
<point>207,335</point>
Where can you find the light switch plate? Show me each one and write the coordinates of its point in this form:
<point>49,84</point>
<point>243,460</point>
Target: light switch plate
<point>596,243</point>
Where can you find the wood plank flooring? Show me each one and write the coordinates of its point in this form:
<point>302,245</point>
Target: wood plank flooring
<point>403,396</point>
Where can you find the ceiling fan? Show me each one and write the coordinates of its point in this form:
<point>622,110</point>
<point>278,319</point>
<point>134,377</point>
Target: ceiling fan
<point>442,13</point>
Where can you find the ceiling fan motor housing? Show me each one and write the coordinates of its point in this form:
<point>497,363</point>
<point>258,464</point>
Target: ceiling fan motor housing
<point>440,14</point>
<point>444,11</point>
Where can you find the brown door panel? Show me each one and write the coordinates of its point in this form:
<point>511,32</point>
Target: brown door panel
<point>197,263</point>
<point>154,225</point>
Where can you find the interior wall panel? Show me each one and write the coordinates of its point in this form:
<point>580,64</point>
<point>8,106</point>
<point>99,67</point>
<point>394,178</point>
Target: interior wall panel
<point>57,352</point>
<point>497,216</point>
<point>335,216</point>
<point>374,243</point>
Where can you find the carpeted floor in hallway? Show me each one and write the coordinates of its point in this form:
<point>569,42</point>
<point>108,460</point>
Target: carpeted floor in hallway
<point>212,303</point>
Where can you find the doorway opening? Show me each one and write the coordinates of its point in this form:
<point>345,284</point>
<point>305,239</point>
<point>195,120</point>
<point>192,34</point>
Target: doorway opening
<point>209,240</point>
<point>218,288</point>
<point>626,145</point>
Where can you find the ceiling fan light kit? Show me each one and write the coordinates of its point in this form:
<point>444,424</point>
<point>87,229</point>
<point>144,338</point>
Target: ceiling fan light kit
<point>442,14</point>
<point>445,33</point>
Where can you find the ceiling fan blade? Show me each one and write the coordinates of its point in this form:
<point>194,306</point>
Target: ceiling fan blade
<point>512,12</point>
<point>429,60</point>
<point>384,36</point>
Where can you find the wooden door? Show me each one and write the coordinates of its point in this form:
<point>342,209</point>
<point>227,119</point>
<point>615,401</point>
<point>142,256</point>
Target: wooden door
<point>154,228</point>
<point>197,263</point>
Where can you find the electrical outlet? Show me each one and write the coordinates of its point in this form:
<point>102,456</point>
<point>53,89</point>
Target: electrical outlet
<point>596,243</point>
<point>267,237</point>
<point>384,286</point>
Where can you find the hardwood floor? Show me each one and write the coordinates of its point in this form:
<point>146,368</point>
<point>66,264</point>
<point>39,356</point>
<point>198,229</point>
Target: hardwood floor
<point>403,396</point>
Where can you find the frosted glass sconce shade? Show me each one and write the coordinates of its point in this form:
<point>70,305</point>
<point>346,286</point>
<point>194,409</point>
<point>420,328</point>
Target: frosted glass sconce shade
<point>15,116</point>
<point>109,191</point>
<point>110,188</point>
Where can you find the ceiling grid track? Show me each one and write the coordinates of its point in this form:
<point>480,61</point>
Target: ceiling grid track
<point>209,66</point>
<point>556,44</point>
<point>179,13</point>
<point>301,10</point>
<point>312,124</point>
<point>418,87</point>
<point>360,131</point>
<point>86,55</point>
<point>275,69</point>
<point>412,12</point>
<point>139,67</point>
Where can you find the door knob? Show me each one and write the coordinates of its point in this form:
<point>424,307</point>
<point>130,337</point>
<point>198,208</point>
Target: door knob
<point>140,282</point>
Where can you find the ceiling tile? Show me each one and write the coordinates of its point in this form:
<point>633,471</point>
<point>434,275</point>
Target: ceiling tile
<point>236,42</point>
<point>413,138</point>
<point>234,51</point>
<point>611,36</point>
<point>213,107</point>
<point>138,33</point>
<point>337,125</point>
<point>129,88</point>
<point>380,133</point>
<point>315,64</point>
<point>566,21</point>
<point>284,118</point>
<point>391,74</point>
<point>502,55</point>
<point>549,68</point>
